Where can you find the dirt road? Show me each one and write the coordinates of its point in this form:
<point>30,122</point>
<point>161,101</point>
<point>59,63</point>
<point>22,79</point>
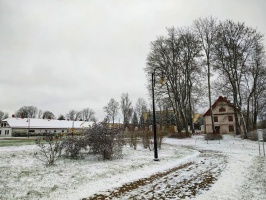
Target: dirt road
<point>184,181</point>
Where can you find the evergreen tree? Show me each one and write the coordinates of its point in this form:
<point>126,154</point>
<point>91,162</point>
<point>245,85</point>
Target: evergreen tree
<point>135,119</point>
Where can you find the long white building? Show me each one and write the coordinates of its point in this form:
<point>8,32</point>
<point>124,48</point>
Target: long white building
<point>14,126</point>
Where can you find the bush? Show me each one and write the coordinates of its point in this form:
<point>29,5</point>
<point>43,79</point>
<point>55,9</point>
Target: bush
<point>50,148</point>
<point>132,138</point>
<point>146,138</point>
<point>161,135</point>
<point>20,134</point>
<point>212,136</point>
<point>74,144</point>
<point>106,142</point>
<point>180,135</point>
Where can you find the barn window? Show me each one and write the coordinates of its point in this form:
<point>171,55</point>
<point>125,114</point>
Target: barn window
<point>231,129</point>
<point>230,118</point>
<point>215,119</point>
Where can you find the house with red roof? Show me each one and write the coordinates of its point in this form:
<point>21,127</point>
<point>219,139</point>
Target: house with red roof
<point>224,117</point>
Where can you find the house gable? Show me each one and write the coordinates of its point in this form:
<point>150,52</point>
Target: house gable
<point>221,105</point>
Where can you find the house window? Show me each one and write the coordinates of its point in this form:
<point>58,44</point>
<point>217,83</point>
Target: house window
<point>1,124</point>
<point>231,129</point>
<point>4,124</point>
<point>54,131</point>
<point>6,132</point>
<point>215,119</point>
<point>222,109</point>
<point>63,131</point>
<point>0,132</point>
<point>230,118</point>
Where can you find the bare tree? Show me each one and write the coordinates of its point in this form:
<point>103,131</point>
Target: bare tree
<point>176,57</point>
<point>48,115</point>
<point>27,112</point>
<point>1,115</point>
<point>206,31</point>
<point>112,109</point>
<point>6,115</point>
<point>40,114</point>
<point>73,115</point>
<point>140,108</point>
<point>255,85</point>
<point>88,114</point>
<point>61,117</point>
<point>126,107</point>
<point>233,48</point>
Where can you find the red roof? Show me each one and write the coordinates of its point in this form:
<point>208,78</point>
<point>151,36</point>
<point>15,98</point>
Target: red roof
<point>220,99</point>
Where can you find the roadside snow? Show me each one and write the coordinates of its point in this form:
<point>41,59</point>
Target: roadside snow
<point>24,177</point>
<point>245,175</point>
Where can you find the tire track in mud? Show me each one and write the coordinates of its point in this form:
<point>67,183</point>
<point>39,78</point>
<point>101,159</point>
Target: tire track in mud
<point>184,181</point>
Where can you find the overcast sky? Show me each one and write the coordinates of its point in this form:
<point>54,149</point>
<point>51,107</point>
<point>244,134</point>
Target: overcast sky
<point>59,55</point>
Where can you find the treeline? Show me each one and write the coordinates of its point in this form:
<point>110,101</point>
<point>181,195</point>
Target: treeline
<point>210,58</point>
<point>86,114</point>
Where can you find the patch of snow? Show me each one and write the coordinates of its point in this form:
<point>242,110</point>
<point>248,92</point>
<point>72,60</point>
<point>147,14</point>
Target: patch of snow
<point>243,176</point>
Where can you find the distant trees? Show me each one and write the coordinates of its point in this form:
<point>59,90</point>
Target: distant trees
<point>61,117</point>
<point>48,115</point>
<point>40,114</point>
<point>3,115</point>
<point>140,108</point>
<point>73,115</point>
<point>27,112</point>
<point>135,119</point>
<point>126,108</point>
<point>88,114</point>
<point>111,109</point>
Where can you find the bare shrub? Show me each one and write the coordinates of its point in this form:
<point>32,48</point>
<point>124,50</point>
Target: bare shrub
<point>106,142</point>
<point>161,135</point>
<point>132,138</point>
<point>146,138</point>
<point>50,148</point>
<point>74,144</point>
<point>180,135</point>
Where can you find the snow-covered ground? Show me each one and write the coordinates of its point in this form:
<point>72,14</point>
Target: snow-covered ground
<point>240,172</point>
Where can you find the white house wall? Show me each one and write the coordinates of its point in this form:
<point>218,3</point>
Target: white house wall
<point>5,132</point>
<point>223,119</point>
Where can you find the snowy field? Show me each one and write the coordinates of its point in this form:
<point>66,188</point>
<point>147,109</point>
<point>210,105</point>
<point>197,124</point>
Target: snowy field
<point>229,170</point>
